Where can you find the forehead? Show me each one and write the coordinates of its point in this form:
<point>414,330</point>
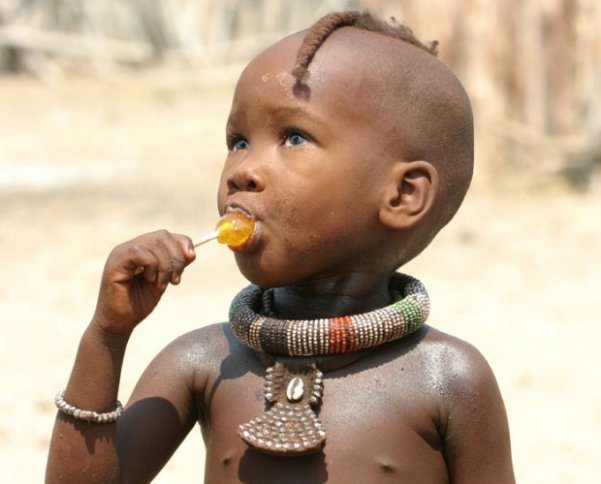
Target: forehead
<point>340,82</point>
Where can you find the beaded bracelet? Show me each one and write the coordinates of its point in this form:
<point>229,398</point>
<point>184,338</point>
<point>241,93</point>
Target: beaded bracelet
<point>87,415</point>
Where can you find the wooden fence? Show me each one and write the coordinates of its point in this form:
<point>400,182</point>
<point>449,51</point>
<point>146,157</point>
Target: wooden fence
<point>532,67</point>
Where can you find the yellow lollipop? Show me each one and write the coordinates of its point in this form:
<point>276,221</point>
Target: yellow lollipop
<point>233,229</point>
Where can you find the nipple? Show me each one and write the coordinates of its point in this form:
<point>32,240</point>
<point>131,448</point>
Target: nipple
<point>233,229</point>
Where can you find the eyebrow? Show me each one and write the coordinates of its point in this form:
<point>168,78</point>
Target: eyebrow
<point>289,111</point>
<point>298,111</point>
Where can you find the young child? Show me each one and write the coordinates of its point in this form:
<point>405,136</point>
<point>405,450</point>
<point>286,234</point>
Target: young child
<point>351,146</point>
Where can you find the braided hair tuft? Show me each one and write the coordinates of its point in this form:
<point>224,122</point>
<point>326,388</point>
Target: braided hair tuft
<point>325,26</point>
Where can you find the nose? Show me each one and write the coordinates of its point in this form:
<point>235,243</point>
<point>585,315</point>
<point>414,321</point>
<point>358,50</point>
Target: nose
<point>245,176</point>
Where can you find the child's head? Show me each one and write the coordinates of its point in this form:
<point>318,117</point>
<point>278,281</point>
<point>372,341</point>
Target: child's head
<point>351,145</point>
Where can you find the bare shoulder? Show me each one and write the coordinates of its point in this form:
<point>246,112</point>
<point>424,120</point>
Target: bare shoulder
<point>213,339</point>
<point>202,349</point>
<point>460,365</point>
<point>441,362</point>
<point>457,371</point>
<point>473,419</point>
<point>187,362</point>
<point>167,400</point>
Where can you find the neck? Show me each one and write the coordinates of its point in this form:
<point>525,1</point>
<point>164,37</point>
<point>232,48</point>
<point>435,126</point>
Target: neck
<point>327,363</point>
<point>332,296</point>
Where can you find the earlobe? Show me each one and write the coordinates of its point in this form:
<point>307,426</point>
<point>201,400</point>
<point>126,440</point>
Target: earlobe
<point>410,194</point>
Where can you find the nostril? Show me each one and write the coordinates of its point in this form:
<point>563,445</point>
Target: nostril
<point>232,187</point>
<point>243,179</point>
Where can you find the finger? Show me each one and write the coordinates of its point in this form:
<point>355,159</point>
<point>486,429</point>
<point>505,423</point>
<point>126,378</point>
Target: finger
<point>164,267</point>
<point>187,247</point>
<point>150,272</point>
<point>177,259</point>
<point>182,250</point>
<point>142,260</point>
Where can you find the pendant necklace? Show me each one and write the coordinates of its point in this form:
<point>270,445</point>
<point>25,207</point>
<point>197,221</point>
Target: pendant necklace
<point>294,386</point>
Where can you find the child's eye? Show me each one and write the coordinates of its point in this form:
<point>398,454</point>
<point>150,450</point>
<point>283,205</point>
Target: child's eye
<point>295,138</point>
<point>237,143</point>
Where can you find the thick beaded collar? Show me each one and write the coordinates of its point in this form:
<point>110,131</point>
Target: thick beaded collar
<point>328,336</point>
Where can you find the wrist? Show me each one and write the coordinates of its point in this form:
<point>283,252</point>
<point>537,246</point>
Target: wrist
<point>94,380</point>
<point>98,333</point>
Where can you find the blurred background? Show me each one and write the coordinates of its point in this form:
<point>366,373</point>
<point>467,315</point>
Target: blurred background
<point>112,117</point>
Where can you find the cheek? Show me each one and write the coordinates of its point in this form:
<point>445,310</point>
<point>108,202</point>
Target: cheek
<point>300,212</point>
<point>320,223</point>
<point>222,191</point>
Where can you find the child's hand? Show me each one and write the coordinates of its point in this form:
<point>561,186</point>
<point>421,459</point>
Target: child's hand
<point>135,277</point>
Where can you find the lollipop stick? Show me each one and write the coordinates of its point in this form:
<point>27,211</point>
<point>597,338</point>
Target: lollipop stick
<point>206,238</point>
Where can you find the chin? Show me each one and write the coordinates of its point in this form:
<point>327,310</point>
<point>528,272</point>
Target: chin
<point>262,275</point>
<point>262,279</point>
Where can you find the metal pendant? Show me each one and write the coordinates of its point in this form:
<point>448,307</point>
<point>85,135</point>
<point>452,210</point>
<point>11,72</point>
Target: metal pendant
<point>290,426</point>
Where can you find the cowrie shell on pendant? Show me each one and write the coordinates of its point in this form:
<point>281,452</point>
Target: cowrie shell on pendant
<point>295,389</point>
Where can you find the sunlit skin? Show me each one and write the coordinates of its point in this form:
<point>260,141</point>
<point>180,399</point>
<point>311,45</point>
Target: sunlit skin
<point>339,201</point>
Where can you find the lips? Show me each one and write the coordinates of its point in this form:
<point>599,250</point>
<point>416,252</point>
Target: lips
<point>236,207</point>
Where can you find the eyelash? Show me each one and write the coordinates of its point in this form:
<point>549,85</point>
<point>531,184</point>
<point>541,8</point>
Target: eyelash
<point>233,139</point>
<point>288,132</point>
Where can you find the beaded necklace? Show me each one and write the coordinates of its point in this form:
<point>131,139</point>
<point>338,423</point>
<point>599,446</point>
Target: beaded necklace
<point>328,336</point>
<point>293,388</point>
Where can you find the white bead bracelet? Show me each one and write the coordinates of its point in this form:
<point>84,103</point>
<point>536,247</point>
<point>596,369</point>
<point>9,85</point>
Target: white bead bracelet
<point>87,415</point>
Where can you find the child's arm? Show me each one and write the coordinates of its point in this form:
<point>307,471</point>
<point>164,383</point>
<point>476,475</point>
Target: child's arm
<point>476,442</point>
<point>87,452</point>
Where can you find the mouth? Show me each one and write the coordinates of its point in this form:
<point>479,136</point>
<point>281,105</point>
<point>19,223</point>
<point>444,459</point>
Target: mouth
<point>235,207</point>
<point>251,244</point>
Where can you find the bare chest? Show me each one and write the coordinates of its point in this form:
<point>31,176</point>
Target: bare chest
<point>377,431</point>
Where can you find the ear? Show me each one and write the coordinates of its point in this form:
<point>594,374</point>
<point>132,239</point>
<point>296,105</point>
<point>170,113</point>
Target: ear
<point>412,189</point>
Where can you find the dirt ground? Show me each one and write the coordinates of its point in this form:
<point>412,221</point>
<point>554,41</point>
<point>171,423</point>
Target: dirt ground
<point>85,165</point>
